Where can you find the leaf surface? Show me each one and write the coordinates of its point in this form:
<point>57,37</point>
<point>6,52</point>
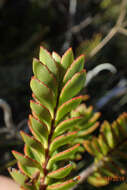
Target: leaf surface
<point>43,94</point>
<point>66,125</point>
<point>69,106</point>
<point>39,130</point>
<point>41,112</point>
<point>67,58</point>
<point>46,58</point>
<point>65,185</point>
<point>72,87</point>
<point>61,172</point>
<point>61,140</point>
<point>42,73</point>
<point>75,67</point>
<point>63,155</point>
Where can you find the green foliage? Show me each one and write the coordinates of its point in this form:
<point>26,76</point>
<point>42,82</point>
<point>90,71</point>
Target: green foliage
<point>110,147</point>
<point>58,124</point>
<point>62,127</point>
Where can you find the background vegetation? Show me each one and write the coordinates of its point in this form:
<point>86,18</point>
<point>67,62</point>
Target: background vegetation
<point>84,25</point>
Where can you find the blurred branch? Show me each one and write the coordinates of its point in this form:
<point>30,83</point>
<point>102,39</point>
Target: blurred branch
<point>77,28</point>
<point>87,172</point>
<point>123,31</point>
<point>122,13</point>
<point>7,115</point>
<point>119,26</point>
<point>10,128</point>
<point>68,35</point>
<point>110,35</point>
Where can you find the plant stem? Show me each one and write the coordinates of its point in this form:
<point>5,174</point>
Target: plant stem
<point>87,172</point>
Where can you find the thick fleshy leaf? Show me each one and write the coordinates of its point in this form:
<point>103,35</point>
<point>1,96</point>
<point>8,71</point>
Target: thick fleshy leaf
<point>98,180</point>
<point>39,130</point>
<point>56,57</point>
<point>96,147</point>
<point>42,73</point>
<point>46,58</point>
<point>44,94</point>
<point>66,125</point>
<point>33,154</point>
<point>103,145</point>
<point>116,131</point>
<point>75,67</point>
<point>72,87</point>
<point>19,177</point>
<point>122,121</point>
<point>62,155</point>
<point>41,112</point>
<point>68,106</point>
<point>67,58</point>
<point>27,165</point>
<point>36,145</point>
<point>61,140</point>
<point>89,130</point>
<point>61,172</point>
<point>65,185</point>
<point>88,147</point>
<point>106,129</point>
<point>86,112</point>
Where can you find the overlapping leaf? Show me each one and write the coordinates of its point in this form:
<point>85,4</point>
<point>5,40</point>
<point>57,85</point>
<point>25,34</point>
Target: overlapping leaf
<point>57,134</point>
<point>111,148</point>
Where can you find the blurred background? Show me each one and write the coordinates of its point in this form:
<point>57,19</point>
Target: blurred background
<point>96,28</point>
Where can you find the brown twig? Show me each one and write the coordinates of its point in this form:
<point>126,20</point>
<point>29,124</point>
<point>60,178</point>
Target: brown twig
<point>77,28</point>
<point>123,31</point>
<point>119,27</point>
<point>87,172</point>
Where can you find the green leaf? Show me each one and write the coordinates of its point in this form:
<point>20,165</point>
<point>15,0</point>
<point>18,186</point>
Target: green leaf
<point>66,125</point>
<point>27,165</point>
<point>97,180</point>
<point>36,145</point>
<point>67,58</point>
<point>61,140</point>
<point>68,106</point>
<point>88,131</point>
<point>103,145</point>
<point>88,146</point>
<point>39,130</point>
<point>41,112</point>
<point>65,185</point>
<point>46,58</point>
<point>106,129</point>
<point>75,67</point>
<point>33,154</point>
<point>96,147</point>
<point>72,87</point>
<point>42,73</point>
<point>43,94</point>
<point>122,121</point>
<point>19,177</point>
<point>56,57</point>
<point>62,155</point>
<point>61,172</point>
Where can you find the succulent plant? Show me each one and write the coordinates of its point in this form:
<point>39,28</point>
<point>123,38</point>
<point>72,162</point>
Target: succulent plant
<point>61,128</point>
<point>57,137</point>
